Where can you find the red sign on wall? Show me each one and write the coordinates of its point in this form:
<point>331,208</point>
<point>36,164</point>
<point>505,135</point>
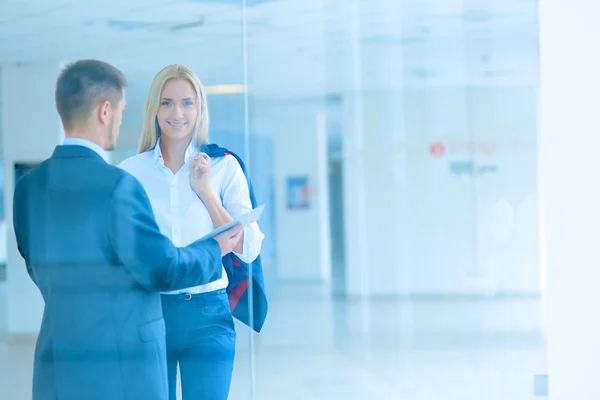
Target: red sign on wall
<point>486,148</point>
<point>437,149</point>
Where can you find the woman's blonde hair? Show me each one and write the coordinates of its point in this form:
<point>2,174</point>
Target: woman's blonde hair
<point>150,130</point>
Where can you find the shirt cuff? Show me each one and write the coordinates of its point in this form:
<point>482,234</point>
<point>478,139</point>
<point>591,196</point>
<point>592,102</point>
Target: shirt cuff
<point>252,244</point>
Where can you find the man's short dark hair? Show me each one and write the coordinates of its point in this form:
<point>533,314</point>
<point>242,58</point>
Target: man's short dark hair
<point>82,85</point>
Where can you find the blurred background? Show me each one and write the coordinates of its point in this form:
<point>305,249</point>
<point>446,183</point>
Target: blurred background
<point>394,144</point>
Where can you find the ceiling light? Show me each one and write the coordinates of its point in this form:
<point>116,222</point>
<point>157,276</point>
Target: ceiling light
<point>225,89</point>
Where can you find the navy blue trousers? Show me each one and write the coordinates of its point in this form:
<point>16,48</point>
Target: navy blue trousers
<point>201,340</point>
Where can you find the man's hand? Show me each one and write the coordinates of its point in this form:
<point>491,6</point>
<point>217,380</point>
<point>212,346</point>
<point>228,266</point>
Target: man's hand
<point>228,239</point>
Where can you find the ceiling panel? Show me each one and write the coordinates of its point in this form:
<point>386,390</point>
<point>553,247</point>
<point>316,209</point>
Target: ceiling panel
<point>293,45</point>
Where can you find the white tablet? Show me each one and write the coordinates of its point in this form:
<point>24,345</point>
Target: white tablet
<point>245,220</point>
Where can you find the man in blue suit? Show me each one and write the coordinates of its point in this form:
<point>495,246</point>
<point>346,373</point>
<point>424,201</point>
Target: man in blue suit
<point>87,233</point>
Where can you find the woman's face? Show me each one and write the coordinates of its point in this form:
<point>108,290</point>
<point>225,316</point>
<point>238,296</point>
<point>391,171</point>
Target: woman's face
<point>178,109</point>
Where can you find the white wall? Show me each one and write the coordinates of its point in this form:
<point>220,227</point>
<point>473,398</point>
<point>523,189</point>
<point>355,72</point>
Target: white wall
<point>569,194</point>
<point>31,129</point>
<point>418,228</point>
<point>298,132</point>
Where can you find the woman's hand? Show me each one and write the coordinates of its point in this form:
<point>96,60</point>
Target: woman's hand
<point>200,175</point>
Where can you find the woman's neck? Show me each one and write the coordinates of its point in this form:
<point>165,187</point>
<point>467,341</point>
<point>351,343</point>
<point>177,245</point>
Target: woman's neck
<point>173,152</point>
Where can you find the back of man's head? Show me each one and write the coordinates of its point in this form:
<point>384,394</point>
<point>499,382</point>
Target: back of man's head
<point>82,85</point>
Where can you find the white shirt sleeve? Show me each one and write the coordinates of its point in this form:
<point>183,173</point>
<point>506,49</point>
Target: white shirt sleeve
<point>236,200</point>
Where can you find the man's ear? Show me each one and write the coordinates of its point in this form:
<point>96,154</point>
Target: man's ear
<point>104,110</point>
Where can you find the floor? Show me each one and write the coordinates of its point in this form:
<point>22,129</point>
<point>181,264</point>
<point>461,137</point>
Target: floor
<point>314,347</point>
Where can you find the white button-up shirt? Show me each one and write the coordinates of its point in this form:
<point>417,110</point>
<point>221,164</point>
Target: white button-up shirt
<point>179,212</point>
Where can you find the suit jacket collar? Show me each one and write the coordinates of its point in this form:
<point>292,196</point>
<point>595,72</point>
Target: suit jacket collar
<point>74,151</point>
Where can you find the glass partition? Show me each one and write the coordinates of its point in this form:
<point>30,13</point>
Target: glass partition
<point>397,146</point>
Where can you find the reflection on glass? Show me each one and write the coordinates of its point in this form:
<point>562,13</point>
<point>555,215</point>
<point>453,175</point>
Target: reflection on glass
<point>410,250</point>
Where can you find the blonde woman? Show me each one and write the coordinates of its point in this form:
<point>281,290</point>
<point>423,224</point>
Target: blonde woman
<point>191,194</point>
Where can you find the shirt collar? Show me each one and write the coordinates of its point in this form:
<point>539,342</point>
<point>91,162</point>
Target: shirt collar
<point>73,141</point>
<point>190,152</point>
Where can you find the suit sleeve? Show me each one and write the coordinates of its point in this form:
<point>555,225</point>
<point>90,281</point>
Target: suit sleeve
<point>149,255</point>
<point>19,200</point>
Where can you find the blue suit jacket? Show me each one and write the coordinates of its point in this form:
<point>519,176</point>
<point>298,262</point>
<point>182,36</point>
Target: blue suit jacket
<point>239,272</point>
<point>90,242</point>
